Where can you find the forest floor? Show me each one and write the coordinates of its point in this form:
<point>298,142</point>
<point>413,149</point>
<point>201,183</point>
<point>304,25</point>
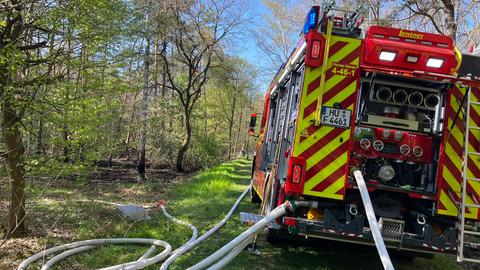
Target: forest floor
<point>64,211</point>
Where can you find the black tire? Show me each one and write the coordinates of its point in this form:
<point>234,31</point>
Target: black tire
<point>254,198</point>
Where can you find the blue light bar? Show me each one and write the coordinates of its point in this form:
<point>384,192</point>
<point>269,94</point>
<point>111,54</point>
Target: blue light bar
<point>311,20</point>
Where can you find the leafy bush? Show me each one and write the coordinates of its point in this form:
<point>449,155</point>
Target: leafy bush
<point>204,152</point>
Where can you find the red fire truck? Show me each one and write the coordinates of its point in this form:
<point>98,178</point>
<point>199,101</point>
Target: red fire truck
<point>400,106</point>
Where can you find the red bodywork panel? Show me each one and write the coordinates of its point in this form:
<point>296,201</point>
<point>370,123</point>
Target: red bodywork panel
<point>259,175</point>
<point>409,43</point>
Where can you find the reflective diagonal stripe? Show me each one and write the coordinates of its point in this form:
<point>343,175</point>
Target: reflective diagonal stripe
<point>320,161</point>
<point>451,179</point>
<point>473,170</point>
<point>332,177</point>
<point>452,160</point>
<point>322,143</point>
<point>345,88</point>
<point>326,148</point>
<point>446,206</point>
<point>452,156</point>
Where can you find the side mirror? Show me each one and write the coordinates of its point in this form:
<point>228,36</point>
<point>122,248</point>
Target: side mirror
<point>253,120</point>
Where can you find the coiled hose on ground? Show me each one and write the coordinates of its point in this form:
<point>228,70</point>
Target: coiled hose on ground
<point>216,261</point>
<point>145,260</point>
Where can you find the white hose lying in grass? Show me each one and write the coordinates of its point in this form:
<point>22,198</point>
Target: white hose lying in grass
<point>188,246</point>
<point>145,260</point>
<point>178,221</point>
<point>216,261</point>
<point>220,264</point>
<point>228,252</point>
<point>80,246</point>
<point>135,265</point>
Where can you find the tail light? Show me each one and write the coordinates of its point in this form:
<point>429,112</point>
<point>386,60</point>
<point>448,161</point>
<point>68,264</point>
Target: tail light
<point>315,49</point>
<point>297,172</point>
<point>295,176</point>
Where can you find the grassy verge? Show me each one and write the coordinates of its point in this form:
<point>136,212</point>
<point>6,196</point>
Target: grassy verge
<point>203,201</point>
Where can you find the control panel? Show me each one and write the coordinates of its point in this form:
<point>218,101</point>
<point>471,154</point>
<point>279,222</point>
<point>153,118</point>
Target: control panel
<point>393,144</point>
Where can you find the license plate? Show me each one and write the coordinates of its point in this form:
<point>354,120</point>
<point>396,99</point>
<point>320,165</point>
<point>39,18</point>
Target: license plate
<point>336,117</point>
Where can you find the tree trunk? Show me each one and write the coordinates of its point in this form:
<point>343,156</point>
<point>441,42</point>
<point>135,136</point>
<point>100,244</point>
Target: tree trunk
<point>450,22</point>
<point>16,172</point>
<point>186,142</point>
<point>230,143</point>
<point>128,138</point>
<point>231,121</point>
<point>143,133</point>
<point>156,65</point>
<point>66,148</point>
<point>239,131</point>
<point>164,73</point>
<point>40,149</point>
<point>116,131</point>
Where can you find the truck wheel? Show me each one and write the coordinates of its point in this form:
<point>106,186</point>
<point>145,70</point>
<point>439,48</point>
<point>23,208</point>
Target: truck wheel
<point>254,198</point>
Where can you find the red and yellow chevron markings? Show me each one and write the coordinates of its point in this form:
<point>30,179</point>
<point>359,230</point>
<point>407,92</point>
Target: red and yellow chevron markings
<point>473,170</point>
<point>452,157</point>
<point>325,148</point>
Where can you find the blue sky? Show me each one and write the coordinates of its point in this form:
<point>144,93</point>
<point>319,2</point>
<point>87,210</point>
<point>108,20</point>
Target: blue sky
<point>249,50</point>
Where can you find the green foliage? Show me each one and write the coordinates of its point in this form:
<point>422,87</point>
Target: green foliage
<point>80,103</point>
<point>41,166</point>
<point>204,153</point>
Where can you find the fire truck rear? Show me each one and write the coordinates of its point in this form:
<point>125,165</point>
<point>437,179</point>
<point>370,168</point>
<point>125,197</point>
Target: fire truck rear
<point>397,105</point>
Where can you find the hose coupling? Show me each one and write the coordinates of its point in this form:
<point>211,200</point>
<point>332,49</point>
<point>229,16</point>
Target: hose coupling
<point>292,205</point>
<point>160,203</point>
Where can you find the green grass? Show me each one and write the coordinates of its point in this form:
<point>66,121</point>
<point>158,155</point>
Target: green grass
<point>203,201</point>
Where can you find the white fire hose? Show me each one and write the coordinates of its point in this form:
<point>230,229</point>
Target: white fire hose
<point>218,259</point>
<point>372,221</point>
<point>188,246</point>
<point>225,254</point>
<point>145,260</point>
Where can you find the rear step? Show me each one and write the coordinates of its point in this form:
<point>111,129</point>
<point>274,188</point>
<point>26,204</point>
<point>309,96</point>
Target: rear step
<point>250,218</point>
<point>392,229</point>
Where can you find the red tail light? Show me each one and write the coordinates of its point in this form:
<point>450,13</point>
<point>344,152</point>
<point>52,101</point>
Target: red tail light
<point>316,47</point>
<point>297,173</point>
<point>295,176</point>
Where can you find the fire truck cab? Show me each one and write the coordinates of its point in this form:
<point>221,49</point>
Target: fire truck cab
<point>395,104</point>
